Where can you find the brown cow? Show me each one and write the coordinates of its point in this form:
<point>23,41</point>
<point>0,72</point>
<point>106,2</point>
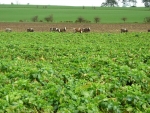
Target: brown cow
<point>30,30</point>
<point>148,30</point>
<point>124,30</point>
<point>54,29</point>
<point>62,30</point>
<point>86,29</point>
<point>77,30</point>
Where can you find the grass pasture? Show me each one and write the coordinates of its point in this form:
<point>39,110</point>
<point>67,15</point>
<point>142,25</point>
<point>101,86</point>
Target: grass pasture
<point>68,13</point>
<point>94,72</point>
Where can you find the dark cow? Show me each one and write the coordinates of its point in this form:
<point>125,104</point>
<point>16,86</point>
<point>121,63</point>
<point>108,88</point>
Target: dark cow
<point>54,29</point>
<point>148,30</point>
<point>86,29</point>
<point>62,30</point>
<point>30,30</point>
<point>77,30</point>
<point>8,30</point>
<point>124,30</point>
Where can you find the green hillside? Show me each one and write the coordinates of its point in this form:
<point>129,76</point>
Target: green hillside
<point>14,13</point>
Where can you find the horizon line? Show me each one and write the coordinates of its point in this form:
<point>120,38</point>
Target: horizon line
<point>67,5</point>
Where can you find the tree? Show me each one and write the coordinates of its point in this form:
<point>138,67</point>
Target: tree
<point>133,2</point>
<point>125,3</point>
<point>34,19</point>
<point>49,18</point>
<point>124,19</point>
<point>146,3</point>
<point>110,3</point>
<point>128,3</point>
<point>80,19</point>
<point>97,19</point>
<point>147,19</point>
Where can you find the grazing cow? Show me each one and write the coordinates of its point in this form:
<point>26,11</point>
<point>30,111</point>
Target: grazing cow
<point>77,30</point>
<point>30,30</point>
<point>124,30</point>
<point>86,29</point>
<point>62,30</point>
<point>54,29</point>
<point>148,30</point>
<point>8,30</point>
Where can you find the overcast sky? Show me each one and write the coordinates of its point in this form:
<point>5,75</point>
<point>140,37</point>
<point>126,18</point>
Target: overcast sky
<point>61,2</point>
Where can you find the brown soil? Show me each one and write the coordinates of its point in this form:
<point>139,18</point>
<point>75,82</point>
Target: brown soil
<point>44,27</point>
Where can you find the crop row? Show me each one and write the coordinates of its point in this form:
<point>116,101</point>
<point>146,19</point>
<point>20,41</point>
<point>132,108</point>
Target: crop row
<point>96,72</point>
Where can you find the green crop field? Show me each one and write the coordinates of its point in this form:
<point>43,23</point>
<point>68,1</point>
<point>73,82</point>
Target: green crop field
<point>74,73</point>
<point>15,13</point>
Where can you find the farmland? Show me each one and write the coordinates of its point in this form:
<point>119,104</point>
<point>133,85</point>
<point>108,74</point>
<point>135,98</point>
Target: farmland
<point>74,73</point>
<point>68,13</point>
<point>103,71</point>
<point>99,28</point>
<point>110,18</point>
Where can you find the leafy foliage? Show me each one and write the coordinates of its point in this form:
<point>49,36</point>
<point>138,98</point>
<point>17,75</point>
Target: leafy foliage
<point>146,3</point>
<point>147,19</point>
<point>34,19</point>
<point>81,20</point>
<point>124,19</point>
<point>53,72</point>
<point>96,19</point>
<point>49,18</point>
<point>110,3</point>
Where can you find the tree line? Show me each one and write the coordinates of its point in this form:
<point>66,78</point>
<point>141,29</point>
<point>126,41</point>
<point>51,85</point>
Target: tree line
<point>113,3</point>
<point>50,19</point>
<point>81,19</point>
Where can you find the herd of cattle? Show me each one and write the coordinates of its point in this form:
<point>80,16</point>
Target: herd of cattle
<point>80,30</point>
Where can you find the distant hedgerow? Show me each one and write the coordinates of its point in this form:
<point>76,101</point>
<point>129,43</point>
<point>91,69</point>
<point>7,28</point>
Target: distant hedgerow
<point>147,19</point>
<point>49,18</point>
<point>82,20</point>
<point>124,19</point>
<point>34,19</point>
<point>96,19</point>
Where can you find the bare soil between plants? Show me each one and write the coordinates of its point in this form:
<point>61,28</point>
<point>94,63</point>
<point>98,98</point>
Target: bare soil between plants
<point>45,27</point>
